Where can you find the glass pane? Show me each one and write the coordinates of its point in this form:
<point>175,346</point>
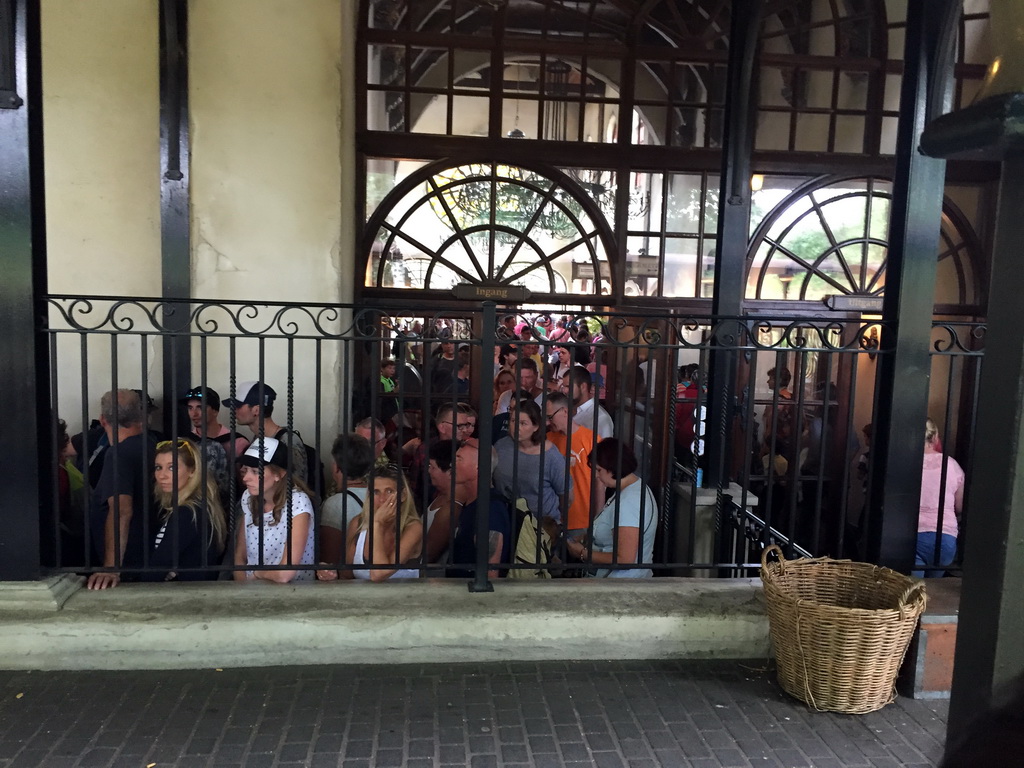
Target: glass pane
<point>561,120</point>
<point>771,88</point>
<point>772,131</point>
<point>711,203</point>
<point>603,76</point>
<point>469,116</point>
<point>685,201</point>
<point>385,110</point>
<point>850,134</point>
<point>429,113</point>
<point>812,133</point>
<point>707,274</point>
<point>846,217</point>
<point>853,91</point>
<point>386,65</point>
<point>645,201</point>
<point>680,277</point>
<point>880,207</point>
<point>598,185</point>
<point>818,88</point>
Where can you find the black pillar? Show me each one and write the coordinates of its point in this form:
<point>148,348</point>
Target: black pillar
<point>174,202</point>
<point>733,223</point>
<point>26,450</point>
<point>897,449</point>
<point>989,652</point>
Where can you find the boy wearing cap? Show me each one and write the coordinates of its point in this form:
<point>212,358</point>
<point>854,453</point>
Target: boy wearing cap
<point>203,407</point>
<point>254,408</point>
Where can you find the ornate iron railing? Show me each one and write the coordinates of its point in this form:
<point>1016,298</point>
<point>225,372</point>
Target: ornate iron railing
<point>789,449</point>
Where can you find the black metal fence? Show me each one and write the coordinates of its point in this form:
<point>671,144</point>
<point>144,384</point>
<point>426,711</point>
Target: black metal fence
<point>792,445</point>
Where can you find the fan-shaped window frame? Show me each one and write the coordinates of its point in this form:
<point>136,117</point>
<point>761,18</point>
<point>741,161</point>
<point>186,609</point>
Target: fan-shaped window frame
<point>434,185</point>
<point>958,241</point>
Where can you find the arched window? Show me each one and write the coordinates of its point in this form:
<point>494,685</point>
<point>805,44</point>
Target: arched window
<point>627,99</point>
<point>490,224</point>
<point>829,237</point>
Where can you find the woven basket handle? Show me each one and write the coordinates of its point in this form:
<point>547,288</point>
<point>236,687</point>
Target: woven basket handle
<point>905,598</point>
<point>778,552</point>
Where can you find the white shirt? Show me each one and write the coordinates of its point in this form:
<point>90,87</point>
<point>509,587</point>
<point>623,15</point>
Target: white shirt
<point>585,418</point>
<point>275,537</point>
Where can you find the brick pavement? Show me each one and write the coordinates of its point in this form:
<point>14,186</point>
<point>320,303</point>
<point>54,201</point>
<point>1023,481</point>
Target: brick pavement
<point>513,715</point>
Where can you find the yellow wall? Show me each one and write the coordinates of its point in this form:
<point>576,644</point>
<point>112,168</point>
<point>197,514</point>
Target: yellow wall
<point>101,104</point>
<point>266,159</point>
<point>267,180</point>
<point>272,197</point>
<point>101,101</point>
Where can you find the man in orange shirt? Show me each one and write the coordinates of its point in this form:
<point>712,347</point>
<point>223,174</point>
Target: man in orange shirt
<point>575,442</point>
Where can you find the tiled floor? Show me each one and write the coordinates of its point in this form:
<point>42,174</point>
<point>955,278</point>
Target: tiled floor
<point>547,715</point>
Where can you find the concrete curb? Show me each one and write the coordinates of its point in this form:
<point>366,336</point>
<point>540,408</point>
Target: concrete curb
<point>222,624</point>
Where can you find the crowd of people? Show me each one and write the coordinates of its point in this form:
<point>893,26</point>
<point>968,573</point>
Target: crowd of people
<point>248,501</point>
<point>252,501</point>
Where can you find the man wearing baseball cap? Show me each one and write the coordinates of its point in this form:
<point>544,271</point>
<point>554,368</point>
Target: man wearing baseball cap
<point>254,408</point>
<point>203,407</point>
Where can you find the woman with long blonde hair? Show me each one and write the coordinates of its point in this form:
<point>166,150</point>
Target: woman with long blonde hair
<point>192,525</point>
<point>388,532</point>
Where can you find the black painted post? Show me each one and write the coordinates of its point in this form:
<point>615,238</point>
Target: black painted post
<point>174,204</point>
<point>26,450</point>
<point>733,223</point>
<point>989,652</point>
<point>480,582</point>
<point>897,449</point>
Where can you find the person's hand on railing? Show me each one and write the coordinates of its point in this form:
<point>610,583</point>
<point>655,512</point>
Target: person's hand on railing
<point>103,580</point>
<point>326,574</point>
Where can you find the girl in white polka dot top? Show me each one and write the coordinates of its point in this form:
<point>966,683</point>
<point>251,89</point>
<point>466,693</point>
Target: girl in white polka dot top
<point>277,527</point>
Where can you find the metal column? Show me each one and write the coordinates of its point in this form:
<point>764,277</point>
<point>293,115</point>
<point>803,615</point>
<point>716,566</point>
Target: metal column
<point>897,449</point>
<point>174,201</point>
<point>989,653</point>
<point>26,450</point>
<point>733,221</point>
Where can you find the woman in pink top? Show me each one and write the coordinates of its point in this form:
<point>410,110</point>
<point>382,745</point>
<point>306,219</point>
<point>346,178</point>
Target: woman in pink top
<point>940,507</point>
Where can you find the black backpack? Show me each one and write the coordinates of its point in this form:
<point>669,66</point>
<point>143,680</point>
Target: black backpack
<point>314,467</point>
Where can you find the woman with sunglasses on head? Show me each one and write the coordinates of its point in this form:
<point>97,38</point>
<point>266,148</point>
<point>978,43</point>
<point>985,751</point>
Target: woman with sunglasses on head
<point>192,526</point>
<point>388,532</point>
<point>623,533</point>
<point>277,517</point>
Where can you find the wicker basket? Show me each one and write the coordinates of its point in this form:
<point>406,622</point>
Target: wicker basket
<point>840,629</point>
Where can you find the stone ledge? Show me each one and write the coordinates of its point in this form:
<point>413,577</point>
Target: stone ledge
<point>46,595</point>
<point>223,624</point>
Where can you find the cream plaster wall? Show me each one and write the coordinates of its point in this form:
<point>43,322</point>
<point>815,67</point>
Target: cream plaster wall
<point>101,102</point>
<point>265,91</point>
<point>271,195</point>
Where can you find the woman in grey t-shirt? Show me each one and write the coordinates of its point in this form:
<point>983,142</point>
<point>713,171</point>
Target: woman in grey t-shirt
<point>529,466</point>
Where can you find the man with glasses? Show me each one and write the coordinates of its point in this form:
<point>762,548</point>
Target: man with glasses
<point>376,435</point>
<point>576,443</point>
<point>454,421</point>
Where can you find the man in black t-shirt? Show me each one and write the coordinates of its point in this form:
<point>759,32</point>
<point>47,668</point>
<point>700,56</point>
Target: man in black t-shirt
<point>120,516</point>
